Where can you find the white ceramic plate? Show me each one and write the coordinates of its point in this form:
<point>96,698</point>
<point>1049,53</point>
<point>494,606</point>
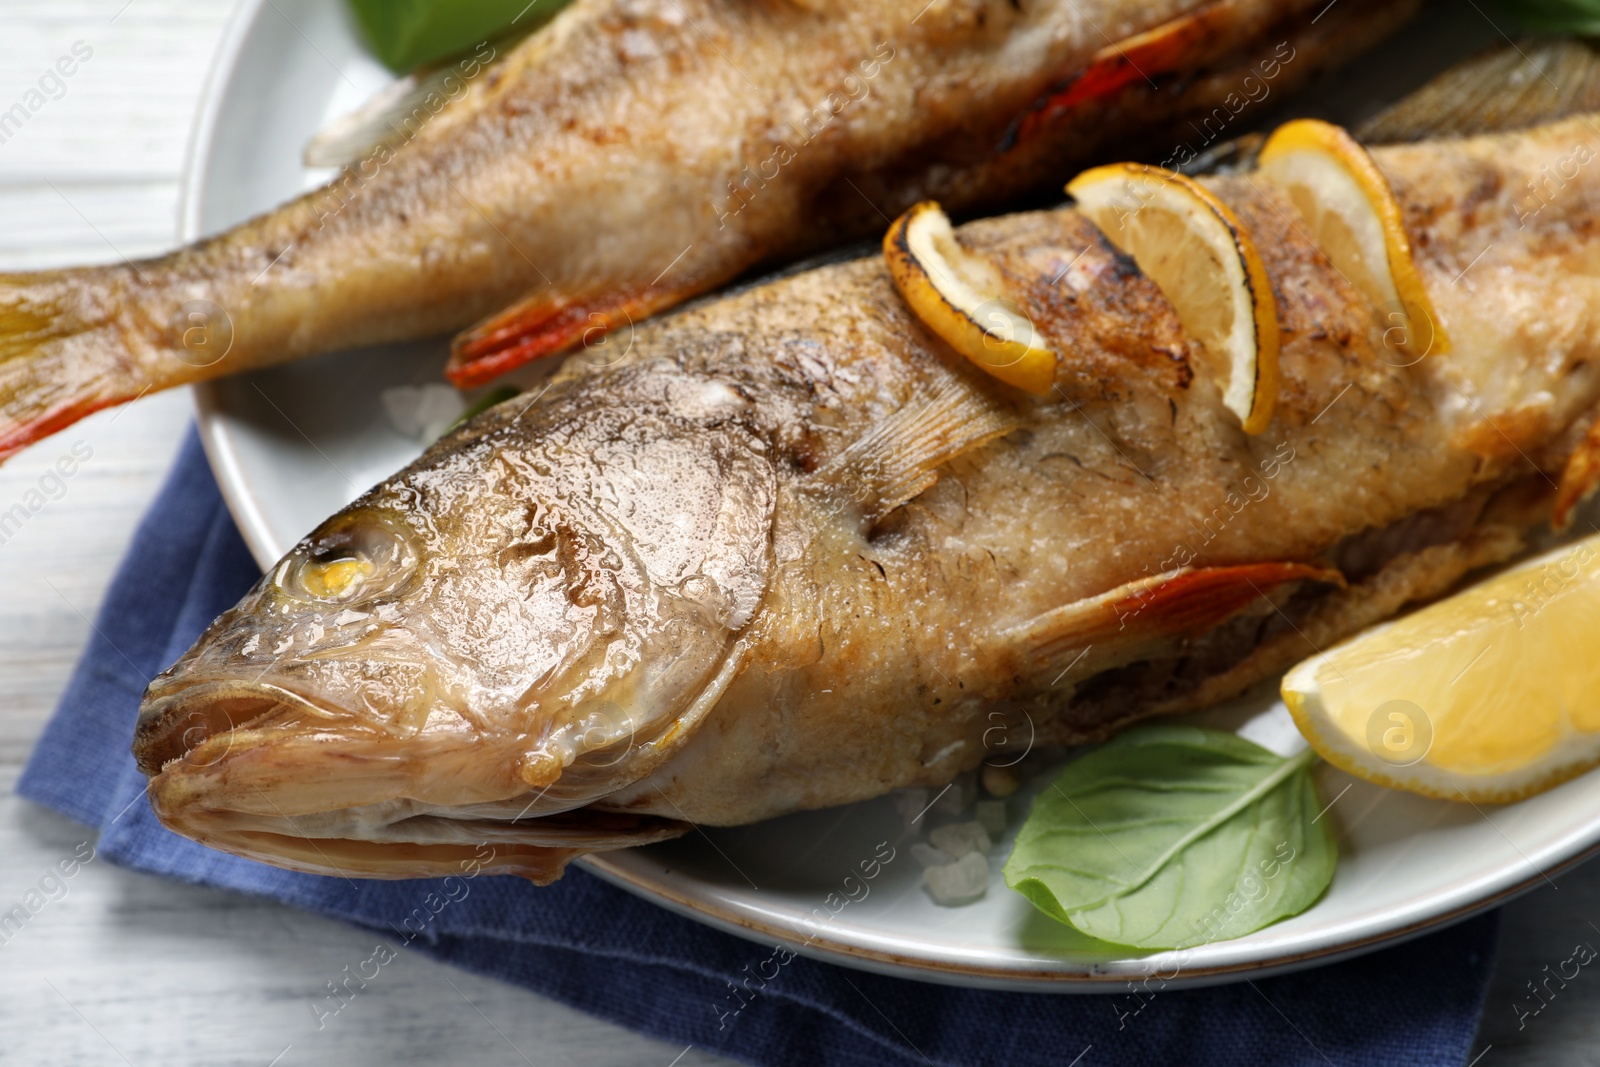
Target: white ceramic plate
<point>293,445</point>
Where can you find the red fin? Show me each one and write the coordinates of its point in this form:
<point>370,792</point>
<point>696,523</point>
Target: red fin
<point>64,354</point>
<point>545,326</point>
<point>1579,478</point>
<point>1175,603</point>
<point>1168,47</point>
<point>14,439</point>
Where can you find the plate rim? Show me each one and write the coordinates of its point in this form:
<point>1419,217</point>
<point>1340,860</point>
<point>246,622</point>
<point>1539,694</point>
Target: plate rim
<point>630,869</point>
<point>1101,978</point>
<point>221,454</point>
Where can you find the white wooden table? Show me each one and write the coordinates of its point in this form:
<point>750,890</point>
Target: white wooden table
<point>129,969</point>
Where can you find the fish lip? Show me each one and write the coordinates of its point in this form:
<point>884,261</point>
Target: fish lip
<point>177,718</point>
<point>538,849</point>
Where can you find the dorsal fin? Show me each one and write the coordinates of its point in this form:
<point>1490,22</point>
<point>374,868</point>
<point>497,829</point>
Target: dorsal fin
<point>1509,87</point>
<point>899,457</point>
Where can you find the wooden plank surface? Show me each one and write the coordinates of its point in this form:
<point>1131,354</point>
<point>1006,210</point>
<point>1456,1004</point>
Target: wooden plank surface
<point>128,969</point>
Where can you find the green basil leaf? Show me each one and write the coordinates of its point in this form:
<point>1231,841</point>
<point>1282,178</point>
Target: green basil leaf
<point>405,34</point>
<point>1555,16</point>
<point>1172,836</point>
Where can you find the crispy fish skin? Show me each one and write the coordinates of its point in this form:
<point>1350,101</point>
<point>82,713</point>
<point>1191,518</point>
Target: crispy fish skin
<point>793,552</point>
<point>633,154</point>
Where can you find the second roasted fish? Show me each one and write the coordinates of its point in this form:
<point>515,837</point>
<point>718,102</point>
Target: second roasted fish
<point>637,152</point>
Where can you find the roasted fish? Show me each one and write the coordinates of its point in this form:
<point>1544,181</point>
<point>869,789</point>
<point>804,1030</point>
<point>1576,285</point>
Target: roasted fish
<point>634,153</point>
<point>793,551</point>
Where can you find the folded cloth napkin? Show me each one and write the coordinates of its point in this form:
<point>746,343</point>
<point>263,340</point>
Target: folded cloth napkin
<point>599,949</point>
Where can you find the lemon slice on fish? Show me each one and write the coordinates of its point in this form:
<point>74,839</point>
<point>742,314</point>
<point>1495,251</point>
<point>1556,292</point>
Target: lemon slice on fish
<point>1354,218</point>
<point>1489,696</point>
<point>962,298</point>
<point>1192,246</point>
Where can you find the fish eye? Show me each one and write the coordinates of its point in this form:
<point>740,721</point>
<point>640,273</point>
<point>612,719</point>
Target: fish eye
<point>334,579</point>
<point>349,562</point>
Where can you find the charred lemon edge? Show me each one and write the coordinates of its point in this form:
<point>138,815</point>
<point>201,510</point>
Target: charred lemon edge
<point>1315,135</point>
<point>1264,306</point>
<point>1031,367</point>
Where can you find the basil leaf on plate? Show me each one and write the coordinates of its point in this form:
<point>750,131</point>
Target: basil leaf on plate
<point>405,34</point>
<point>1556,16</point>
<point>1172,836</point>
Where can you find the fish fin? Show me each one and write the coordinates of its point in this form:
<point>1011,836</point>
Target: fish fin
<point>62,356</point>
<point>548,325</point>
<point>1160,50</point>
<point>1510,87</point>
<point>1579,478</point>
<point>899,458</point>
<point>393,116</point>
<point>1176,603</point>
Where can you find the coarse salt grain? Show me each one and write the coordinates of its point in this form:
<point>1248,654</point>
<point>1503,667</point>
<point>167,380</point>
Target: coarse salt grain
<point>961,882</point>
<point>959,839</point>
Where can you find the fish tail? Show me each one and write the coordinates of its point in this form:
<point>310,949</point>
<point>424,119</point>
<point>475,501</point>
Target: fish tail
<point>64,352</point>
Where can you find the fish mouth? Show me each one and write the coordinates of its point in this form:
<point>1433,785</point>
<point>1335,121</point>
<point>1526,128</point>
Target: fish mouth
<point>424,846</point>
<point>232,765</point>
<point>197,721</point>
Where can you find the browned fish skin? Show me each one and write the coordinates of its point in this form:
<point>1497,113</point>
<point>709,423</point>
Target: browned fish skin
<point>1149,465</point>
<point>862,624</point>
<point>632,154</point>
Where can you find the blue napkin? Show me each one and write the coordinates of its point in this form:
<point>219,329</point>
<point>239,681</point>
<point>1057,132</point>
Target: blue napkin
<point>603,951</point>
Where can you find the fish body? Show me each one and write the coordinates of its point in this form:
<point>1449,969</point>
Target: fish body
<point>635,153</point>
<point>792,551</point>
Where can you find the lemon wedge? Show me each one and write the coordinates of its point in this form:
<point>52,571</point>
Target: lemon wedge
<point>1489,696</point>
<point>962,298</point>
<point>1354,218</point>
<point>1192,247</point>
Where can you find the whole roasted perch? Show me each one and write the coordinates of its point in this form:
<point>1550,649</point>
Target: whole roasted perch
<point>794,550</point>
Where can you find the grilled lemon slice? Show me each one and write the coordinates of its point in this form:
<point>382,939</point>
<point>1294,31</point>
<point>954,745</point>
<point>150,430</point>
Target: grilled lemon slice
<point>1491,695</point>
<point>962,298</point>
<point>1192,246</point>
<point>1354,218</point>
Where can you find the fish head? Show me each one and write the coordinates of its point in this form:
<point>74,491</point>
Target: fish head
<point>533,615</point>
